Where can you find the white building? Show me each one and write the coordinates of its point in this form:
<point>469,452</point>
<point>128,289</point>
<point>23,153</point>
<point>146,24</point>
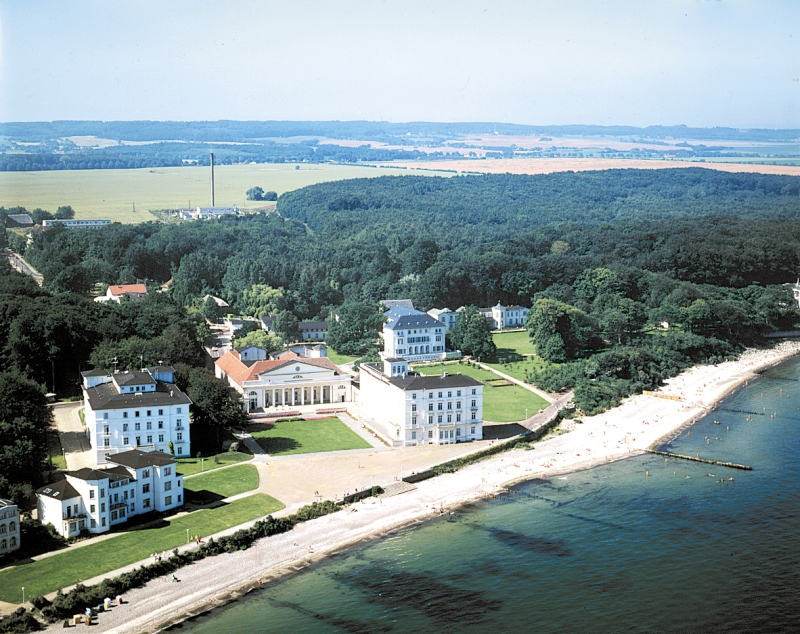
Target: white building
<point>509,316</point>
<point>130,410</point>
<point>417,409</point>
<point>413,335</point>
<point>97,499</point>
<point>446,316</point>
<point>313,330</point>
<point>116,293</point>
<point>204,213</point>
<point>9,527</point>
<point>98,223</point>
<point>290,379</point>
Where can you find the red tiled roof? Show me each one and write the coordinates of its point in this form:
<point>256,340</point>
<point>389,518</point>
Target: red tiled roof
<point>128,288</point>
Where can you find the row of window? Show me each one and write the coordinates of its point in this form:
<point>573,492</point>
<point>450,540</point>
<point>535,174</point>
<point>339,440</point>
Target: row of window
<point>441,394</point>
<point>447,433</point>
<point>4,545</point>
<point>441,419</point>
<point>126,439</point>
<point>11,528</point>
<point>137,413</point>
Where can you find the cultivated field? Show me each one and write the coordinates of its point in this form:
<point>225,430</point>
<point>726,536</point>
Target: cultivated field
<point>550,165</point>
<point>113,193</point>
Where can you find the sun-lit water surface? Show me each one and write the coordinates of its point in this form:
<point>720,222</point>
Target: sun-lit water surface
<point>606,550</point>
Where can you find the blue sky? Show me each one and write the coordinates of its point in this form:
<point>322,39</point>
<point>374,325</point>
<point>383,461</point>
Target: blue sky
<point>619,62</point>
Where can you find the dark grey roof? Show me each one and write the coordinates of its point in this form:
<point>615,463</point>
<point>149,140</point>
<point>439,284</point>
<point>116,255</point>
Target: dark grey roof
<point>395,359</point>
<point>119,473</point>
<point>106,397</point>
<point>411,319</point>
<point>61,490</point>
<point>422,382</point>
<point>136,459</point>
<point>95,373</point>
<point>133,376</point>
<point>313,325</point>
<point>87,473</point>
<point>160,368</point>
<point>21,219</point>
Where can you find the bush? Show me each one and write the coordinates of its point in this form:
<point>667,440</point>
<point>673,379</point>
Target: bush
<point>20,621</point>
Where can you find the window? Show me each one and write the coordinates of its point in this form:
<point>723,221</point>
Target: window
<point>122,512</point>
<point>430,395</point>
<point>474,417</point>
<point>472,430</point>
<point>168,471</point>
<point>449,395</point>
<point>441,435</point>
<point>440,395</point>
<point>113,515</point>
<point>149,439</point>
<point>105,416</point>
<point>449,404</point>
<point>474,403</point>
<point>439,406</point>
<point>414,395</point>
<point>458,393</point>
<point>413,407</point>
<point>136,413</point>
<point>439,419</point>
<point>161,412</point>
<point>102,507</point>
<point>102,521</point>
<point>430,420</point>
<point>125,440</point>
<point>178,411</point>
<point>168,500</point>
<point>458,418</point>
<point>93,523</point>
<point>179,499</point>
<point>146,473</point>
<point>458,432</point>
<point>413,435</point>
<point>124,426</point>
<point>124,414</point>
<point>132,493</point>
<point>180,449</point>
<point>413,420</point>
<point>137,427</point>
<point>145,488</point>
<point>161,424</point>
<point>133,507</point>
<point>106,442</point>
<point>149,425</point>
<point>148,412</point>
<point>105,430</point>
<point>178,422</point>
<point>458,404</point>
<point>449,418</point>
<point>91,494</point>
<point>179,436</point>
<point>474,391</point>
<point>161,438</point>
<point>102,493</point>
<point>430,433</point>
<point>430,407</point>
<point>168,486</point>
<point>146,503</point>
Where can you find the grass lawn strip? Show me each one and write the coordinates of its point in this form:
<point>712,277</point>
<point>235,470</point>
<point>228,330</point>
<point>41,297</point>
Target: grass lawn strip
<point>79,564</point>
<point>306,436</point>
<point>520,370</point>
<point>190,466</point>
<point>505,404</point>
<point>519,342</point>
<point>224,483</point>
<point>340,359</point>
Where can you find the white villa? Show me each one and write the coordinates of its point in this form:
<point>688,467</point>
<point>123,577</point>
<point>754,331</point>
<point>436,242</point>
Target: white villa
<point>9,527</point>
<point>289,379</point>
<point>413,335</point>
<point>504,316</point>
<point>420,410</point>
<point>446,316</point>
<point>135,410</point>
<point>116,293</point>
<point>97,499</point>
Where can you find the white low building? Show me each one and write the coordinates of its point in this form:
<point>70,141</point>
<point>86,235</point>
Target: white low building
<point>446,316</point>
<point>289,379</point>
<point>413,335</point>
<point>118,293</point>
<point>94,500</point>
<point>9,527</point>
<point>313,330</point>
<point>135,409</point>
<point>504,316</point>
<point>421,410</point>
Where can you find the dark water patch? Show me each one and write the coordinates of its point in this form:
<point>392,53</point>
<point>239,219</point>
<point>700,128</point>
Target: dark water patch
<point>446,604</point>
<point>346,625</point>
<point>593,521</point>
<point>539,545</point>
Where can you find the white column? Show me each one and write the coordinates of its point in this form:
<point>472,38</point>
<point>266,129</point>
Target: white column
<point>303,395</point>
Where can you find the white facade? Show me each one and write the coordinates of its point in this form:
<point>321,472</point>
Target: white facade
<point>77,224</point>
<point>313,330</point>
<point>129,410</point>
<point>509,316</point>
<point>97,499</point>
<point>421,410</point>
<point>413,335</point>
<point>796,292</point>
<point>446,316</point>
<point>288,380</point>
<point>9,527</point>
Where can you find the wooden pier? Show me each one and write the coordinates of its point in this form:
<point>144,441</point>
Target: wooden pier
<point>732,465</point>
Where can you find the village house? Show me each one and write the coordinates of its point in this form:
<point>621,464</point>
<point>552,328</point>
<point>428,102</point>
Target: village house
<point>9,527</point>
<point>313,330</point>
<point>135,410</point>
<point>290,379</point>
<point>500,316</point>
<point>413,409</point>
<point>94,500</point>
<point>117,293</point>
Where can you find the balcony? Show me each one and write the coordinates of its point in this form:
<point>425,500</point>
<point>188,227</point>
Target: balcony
<point>70,518</point>
<point>118,505</point>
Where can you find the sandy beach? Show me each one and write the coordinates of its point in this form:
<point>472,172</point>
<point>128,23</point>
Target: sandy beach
<point>638,424</point>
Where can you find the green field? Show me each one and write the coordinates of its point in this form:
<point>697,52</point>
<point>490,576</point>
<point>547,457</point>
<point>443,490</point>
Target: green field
<point>306,436</point>
<point>500,404</point>
<point>221,484</point>
<point>520,369</point>
<point>518,342</point>
<point>78,564</point>
<point>339,359</point>
<point>190,466</point>
<point>113,193</point>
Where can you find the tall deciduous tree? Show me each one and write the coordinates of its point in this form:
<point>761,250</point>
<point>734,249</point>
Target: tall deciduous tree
<point>286,326</point>
<point>217,406</point>
<point>356,328</point>
<point>472,334</point>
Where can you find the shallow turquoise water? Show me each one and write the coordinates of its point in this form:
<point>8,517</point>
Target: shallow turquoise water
<point>607,550</point>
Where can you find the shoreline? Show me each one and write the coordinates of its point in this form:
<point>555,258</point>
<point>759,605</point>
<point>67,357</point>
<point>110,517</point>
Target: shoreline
<point>160,605</point>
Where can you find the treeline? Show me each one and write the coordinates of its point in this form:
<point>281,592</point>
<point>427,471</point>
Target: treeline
<point>370,130</point>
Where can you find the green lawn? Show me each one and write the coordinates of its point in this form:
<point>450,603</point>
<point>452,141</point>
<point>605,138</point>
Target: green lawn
<point>190,466</point>
<point>221,484</point>
<point>500,404</point>
<point>339,359</point>
<point>306,436</point>
<point>520,369</point>
<point>79,564</point>
<point>518,342</point>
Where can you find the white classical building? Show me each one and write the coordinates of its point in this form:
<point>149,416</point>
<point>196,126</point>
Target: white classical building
<point>504,316</point>
<point>413,335</point>
<point>97,499</point>
<point>135,410</point>
<point>9,527</point>
<point>446,316</point>
<point>419,410</point>
<point>289,379</point>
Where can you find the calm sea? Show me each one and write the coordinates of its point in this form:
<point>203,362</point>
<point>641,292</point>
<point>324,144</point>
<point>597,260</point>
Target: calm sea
<point>607,550</point>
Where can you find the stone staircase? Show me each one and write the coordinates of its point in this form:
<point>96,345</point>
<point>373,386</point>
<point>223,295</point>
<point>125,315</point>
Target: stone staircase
<point>397,488</point>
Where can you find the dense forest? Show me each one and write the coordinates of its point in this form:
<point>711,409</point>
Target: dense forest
<point>605,259</point>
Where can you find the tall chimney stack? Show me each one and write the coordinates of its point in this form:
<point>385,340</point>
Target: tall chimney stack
<point>212,179</point>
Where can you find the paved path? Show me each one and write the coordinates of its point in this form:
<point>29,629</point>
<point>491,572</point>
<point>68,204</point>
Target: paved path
<point>548,397</point>
<point>547,414</point>
<point>250,443</point>
<point>71,431</point>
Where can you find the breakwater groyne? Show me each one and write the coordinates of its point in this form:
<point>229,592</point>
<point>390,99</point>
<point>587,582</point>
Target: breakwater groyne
<point>719,463</point>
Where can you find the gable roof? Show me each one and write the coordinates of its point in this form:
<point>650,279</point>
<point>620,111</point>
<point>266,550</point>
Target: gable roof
<point>239,372</point>
<point>401,318</point>
<point>60,490</point>
<point>136,459</point>
<point>106,396</point>
<point>312,325</point>
<point>388,304</point>
<point>124,289</point>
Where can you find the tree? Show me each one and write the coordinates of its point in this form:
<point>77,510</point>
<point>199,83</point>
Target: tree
<point>261,300</point>
<point>260,339</point>
<point>255,193</point>
<point>248,326</point>
<point>37,215</point>
<point>286,326</point>
<point>217,406</point>
<point>211,310</point>
<point>357,327</point>
<point>24,419</point>
<point>558,330</point>
<point>472,335</point>
<point>65,212</point>
<point>271,196</point>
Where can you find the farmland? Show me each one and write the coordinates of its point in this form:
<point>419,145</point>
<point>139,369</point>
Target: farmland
<point>113,193</point>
